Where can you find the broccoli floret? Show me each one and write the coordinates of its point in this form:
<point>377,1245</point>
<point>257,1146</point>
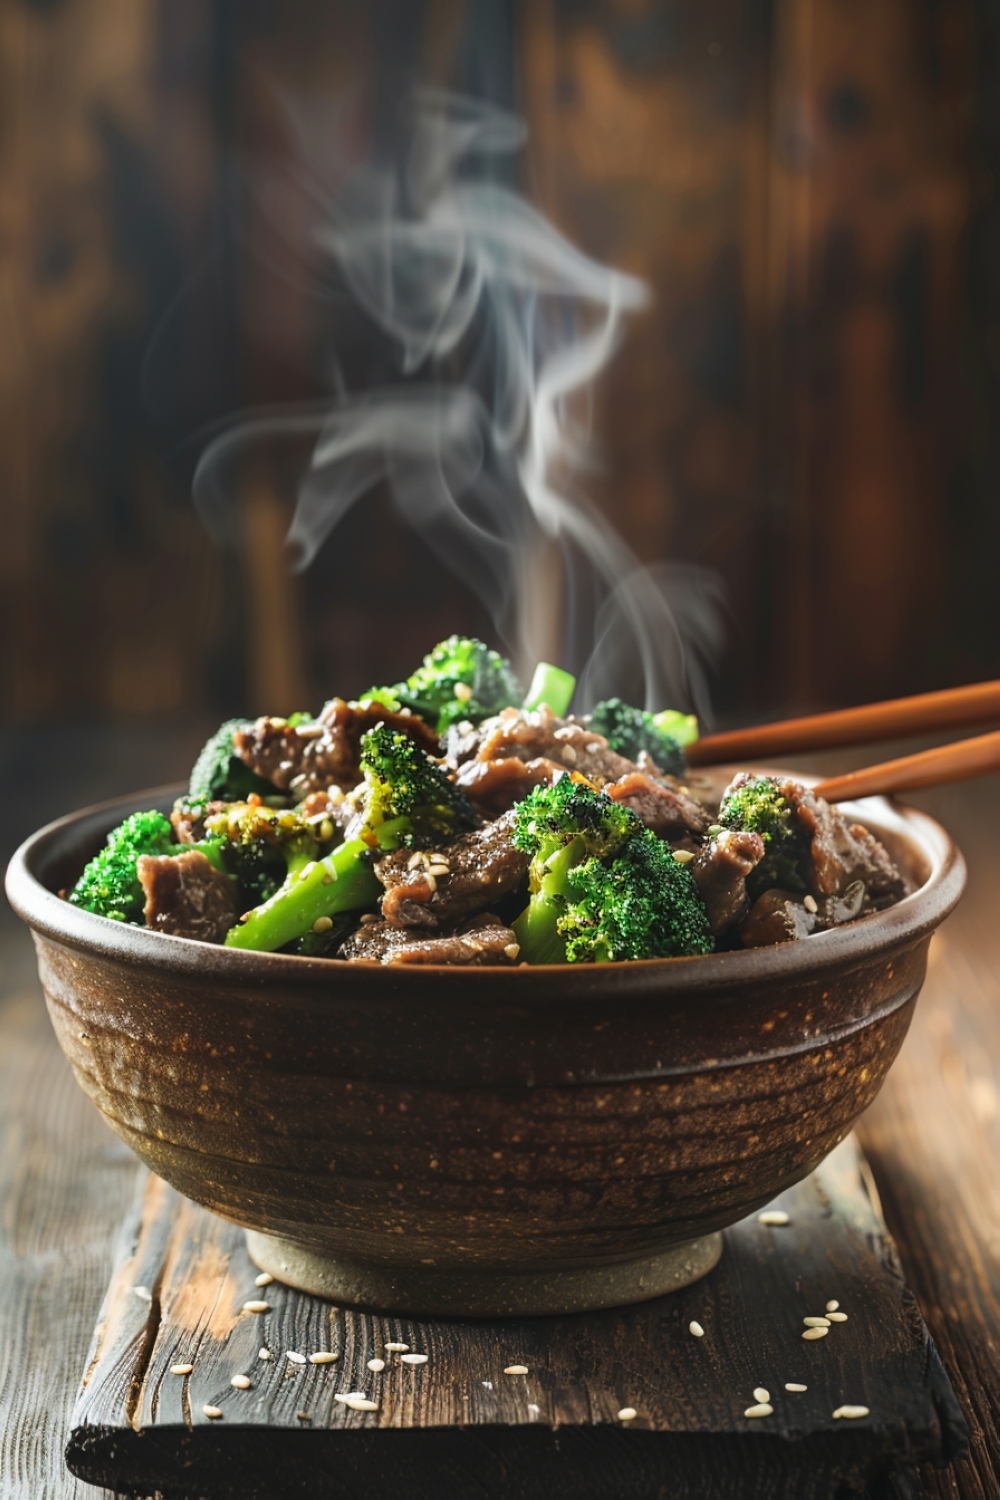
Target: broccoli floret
<point>631,730</point>
<point>109,885</point>
<point>755,804</point>
<point>219,775</point>
<point>405,796</point>
<point>603,887</point>
<point>460,679</point>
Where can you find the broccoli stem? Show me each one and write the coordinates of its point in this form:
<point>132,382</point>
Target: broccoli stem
<point>309,892</point>
<point>536,929</point>
<point>550,685</point>
<point>682,728</point>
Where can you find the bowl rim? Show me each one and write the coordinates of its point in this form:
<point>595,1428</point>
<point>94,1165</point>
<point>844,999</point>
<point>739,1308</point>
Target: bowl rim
<point>917,914</point>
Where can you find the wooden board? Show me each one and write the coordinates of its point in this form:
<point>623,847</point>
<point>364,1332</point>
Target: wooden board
<point>458,1424</point>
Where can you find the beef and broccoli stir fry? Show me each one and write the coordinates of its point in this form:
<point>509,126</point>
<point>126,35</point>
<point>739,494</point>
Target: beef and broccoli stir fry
<point>450,819</point>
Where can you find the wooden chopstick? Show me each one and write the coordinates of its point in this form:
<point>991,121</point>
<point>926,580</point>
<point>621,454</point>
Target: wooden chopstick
<point>954,708</point>
<point>959,762</point>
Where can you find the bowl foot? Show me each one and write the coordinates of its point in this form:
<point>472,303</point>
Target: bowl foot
<point>445,1292</point>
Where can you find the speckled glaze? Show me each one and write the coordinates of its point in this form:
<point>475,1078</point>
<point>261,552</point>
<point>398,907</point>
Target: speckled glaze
<point>495,1123</point>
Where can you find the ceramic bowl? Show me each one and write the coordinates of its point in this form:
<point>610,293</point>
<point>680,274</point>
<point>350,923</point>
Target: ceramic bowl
<point>480,1142</point>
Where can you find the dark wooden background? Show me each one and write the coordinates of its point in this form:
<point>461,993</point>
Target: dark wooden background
<point>809,406</point>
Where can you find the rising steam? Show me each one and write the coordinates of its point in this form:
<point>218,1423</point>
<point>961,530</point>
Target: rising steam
<point>499,327</point>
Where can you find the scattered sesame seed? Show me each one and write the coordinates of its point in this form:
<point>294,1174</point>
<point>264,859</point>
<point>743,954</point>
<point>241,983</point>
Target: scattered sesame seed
<point>760,1394</point>
<point>775,1218</point>
<point>258,1307</point>
<point>696,1330</point>
<point>181,1369</point>
<point>296,1359</point>
<point>307,870</point>
<point>683,856</point>
<point>569,755</point>
<point>264,1279</point>
<point>809,902</point>
<point>463,692</point>
<point>322,924</point>
<point>516,1370</point>
<point>713,829</point>
<point>832,1305</point>
<point>303,1416</point>
<point>816,1322</point>
<point>345,1396</point>
<point>376,1365</point>
<point>437,870</point>
<point>429,880</point>
<point>398,1348</point>
<point>414,860</point>
<point>414,1359</point>
<point>816,1333</point>
<point>323,1357</point>
<point>211,1411</point>
<point>512,950</point>
<point>837,1317</point>
<point>851,1411</point>
<point>763,1409</point>
<point>241,1382</point>
<point>792,1385</point>
<point>361,1403</point>
<point>263,1354</point>
<point>627,1413</point>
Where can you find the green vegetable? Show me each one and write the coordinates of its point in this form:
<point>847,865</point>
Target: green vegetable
<point>755,804</point>
<point>406,798</point>
<point>631,730</point>
<point>550,685</point>
<point>109,885</point>
<point>681,727</point>
<point>460,679</point>
<point>603,886</point>
<point>219,775</point>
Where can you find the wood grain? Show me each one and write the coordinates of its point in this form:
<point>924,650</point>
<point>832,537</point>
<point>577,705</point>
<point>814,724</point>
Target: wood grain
<point>178,1298</point>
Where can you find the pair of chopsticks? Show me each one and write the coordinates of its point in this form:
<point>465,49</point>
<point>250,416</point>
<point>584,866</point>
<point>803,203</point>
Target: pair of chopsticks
<point>954,708</point>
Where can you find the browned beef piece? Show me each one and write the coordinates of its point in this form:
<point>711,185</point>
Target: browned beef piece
<point>190,829</point>
<point>481,867</point>
<point>315,756</point>
<point>720,869</point>
<point>494,786</point>
<point>187,896</point>
<point>776,917</point>
<point>483,941</point>
<point>834,911</point>
<point>662,805</point>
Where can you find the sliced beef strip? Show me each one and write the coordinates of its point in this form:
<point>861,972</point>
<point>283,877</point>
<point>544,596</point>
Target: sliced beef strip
<point>776,917</point>
<point>493,786</point>
<point>187,896</point>
<point>842,852</point>
<point>313,757</point>
<point>483,941</point>
<point>834,911</point>
<point>720,869</point>
<point>667,809</point>
<point>482,866</point>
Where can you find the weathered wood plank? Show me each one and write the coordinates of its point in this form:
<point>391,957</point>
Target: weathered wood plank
<point>178,1296</point>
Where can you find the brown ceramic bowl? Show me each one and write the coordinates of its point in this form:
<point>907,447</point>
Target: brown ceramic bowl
<point>480,1142</point>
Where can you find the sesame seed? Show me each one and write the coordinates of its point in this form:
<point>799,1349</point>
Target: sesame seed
<point>326,830</point>
<point>307,870</point>
<point>792,1385</point>
<point>837,1317</point>
<point>308,731</point>
<point>816,1322</point>
<point>322,924</point>
<point>763,1409</point>
<point>323,1357</point>
<point>816,1333</point>
<point>263,1354</point>
<point>713,829</point>
<point>774,1218</point>
<point>258,1307</point>
<point>361,1403</point>
<point>376,1365</point>
<point>264,1279</point>
<point>809,902</point>
<point>760,1394</point>
<point>303,1416</point>
<point>683,856</point>
<point>211,1411</point>
<point>832,1305</point>
<point>516,1370</point>
<point>463,692</point>
<point>429,880</point>
<point>241,1382</point>
<point>696,1330</point>
<point>569,755</point>
<point>181,1369</point>
<point>851,1411</point>
<point>627,1414</point>
<point>414,860</point>
<point>512,950</point>
<point>398,1348</point>
<point>296,1359</point>
<point>437,870</point>
<point>414,1359</point>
